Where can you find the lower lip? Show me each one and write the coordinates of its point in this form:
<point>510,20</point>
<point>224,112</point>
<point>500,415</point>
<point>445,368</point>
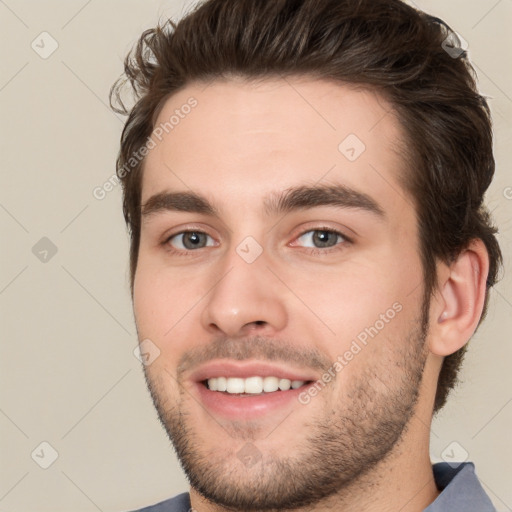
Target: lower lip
<point>247,407</point>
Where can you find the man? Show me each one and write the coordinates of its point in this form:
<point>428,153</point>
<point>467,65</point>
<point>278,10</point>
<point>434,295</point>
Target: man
<point>310,255</point>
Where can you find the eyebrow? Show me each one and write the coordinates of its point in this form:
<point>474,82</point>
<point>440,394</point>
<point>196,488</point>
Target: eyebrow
<point>304,197</point>
<point>292,199</point>
<point>177,201</point>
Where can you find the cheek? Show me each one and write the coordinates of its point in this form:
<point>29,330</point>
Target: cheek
<point>347,301</point>
<point>155,301</point>
<point>166,308</point>
<point>363,309</point>
<point>146,303</point>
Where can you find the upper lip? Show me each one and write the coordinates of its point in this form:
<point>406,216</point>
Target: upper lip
<point>244,370</point>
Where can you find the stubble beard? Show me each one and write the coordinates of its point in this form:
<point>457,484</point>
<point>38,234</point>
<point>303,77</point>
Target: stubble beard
<point>340,447</point>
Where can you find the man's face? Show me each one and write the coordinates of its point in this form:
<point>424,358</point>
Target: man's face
<point>281,279</point>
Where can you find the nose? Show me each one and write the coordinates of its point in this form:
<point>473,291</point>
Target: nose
<point>246,299</point>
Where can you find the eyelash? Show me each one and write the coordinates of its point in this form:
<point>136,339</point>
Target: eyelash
<point>312,250</point>
<point>326,250</point>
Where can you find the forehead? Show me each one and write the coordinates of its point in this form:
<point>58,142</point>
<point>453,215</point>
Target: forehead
<point>235,137</point>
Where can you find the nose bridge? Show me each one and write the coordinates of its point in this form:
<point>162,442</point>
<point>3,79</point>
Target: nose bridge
<point>246,294</point>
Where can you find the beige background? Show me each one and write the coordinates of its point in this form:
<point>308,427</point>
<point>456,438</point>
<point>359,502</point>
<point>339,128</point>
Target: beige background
<point>68,373</point>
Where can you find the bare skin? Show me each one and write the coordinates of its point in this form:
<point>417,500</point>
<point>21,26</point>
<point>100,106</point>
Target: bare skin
<point>321,276</point>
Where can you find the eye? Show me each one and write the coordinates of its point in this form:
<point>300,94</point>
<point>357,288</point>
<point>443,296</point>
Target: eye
<point>321,238</point>
<point>190,240</point>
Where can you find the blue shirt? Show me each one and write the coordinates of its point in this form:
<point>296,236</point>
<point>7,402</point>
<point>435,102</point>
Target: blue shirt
<point>460,492</point>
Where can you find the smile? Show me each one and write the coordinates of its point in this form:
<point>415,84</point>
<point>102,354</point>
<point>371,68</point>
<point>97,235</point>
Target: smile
<point>244,390</point>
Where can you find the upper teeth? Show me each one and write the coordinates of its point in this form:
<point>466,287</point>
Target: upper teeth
<point>253,385</point>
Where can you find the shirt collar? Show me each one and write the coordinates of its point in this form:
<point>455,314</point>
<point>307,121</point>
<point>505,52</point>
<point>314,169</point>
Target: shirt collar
<point>460,489</point>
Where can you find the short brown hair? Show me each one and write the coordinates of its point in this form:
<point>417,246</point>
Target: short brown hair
<point>402,53</point>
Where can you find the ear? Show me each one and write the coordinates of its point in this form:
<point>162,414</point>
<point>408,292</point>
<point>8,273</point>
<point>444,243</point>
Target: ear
<point>457,306</point>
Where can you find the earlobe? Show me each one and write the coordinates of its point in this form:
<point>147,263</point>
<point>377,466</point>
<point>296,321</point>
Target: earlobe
<point>459,302</point>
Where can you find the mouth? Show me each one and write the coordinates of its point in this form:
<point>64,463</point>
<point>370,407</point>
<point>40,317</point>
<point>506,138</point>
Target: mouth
<point>248,390</point>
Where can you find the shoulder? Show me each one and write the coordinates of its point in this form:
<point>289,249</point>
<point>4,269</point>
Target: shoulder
<point>180,503</point>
